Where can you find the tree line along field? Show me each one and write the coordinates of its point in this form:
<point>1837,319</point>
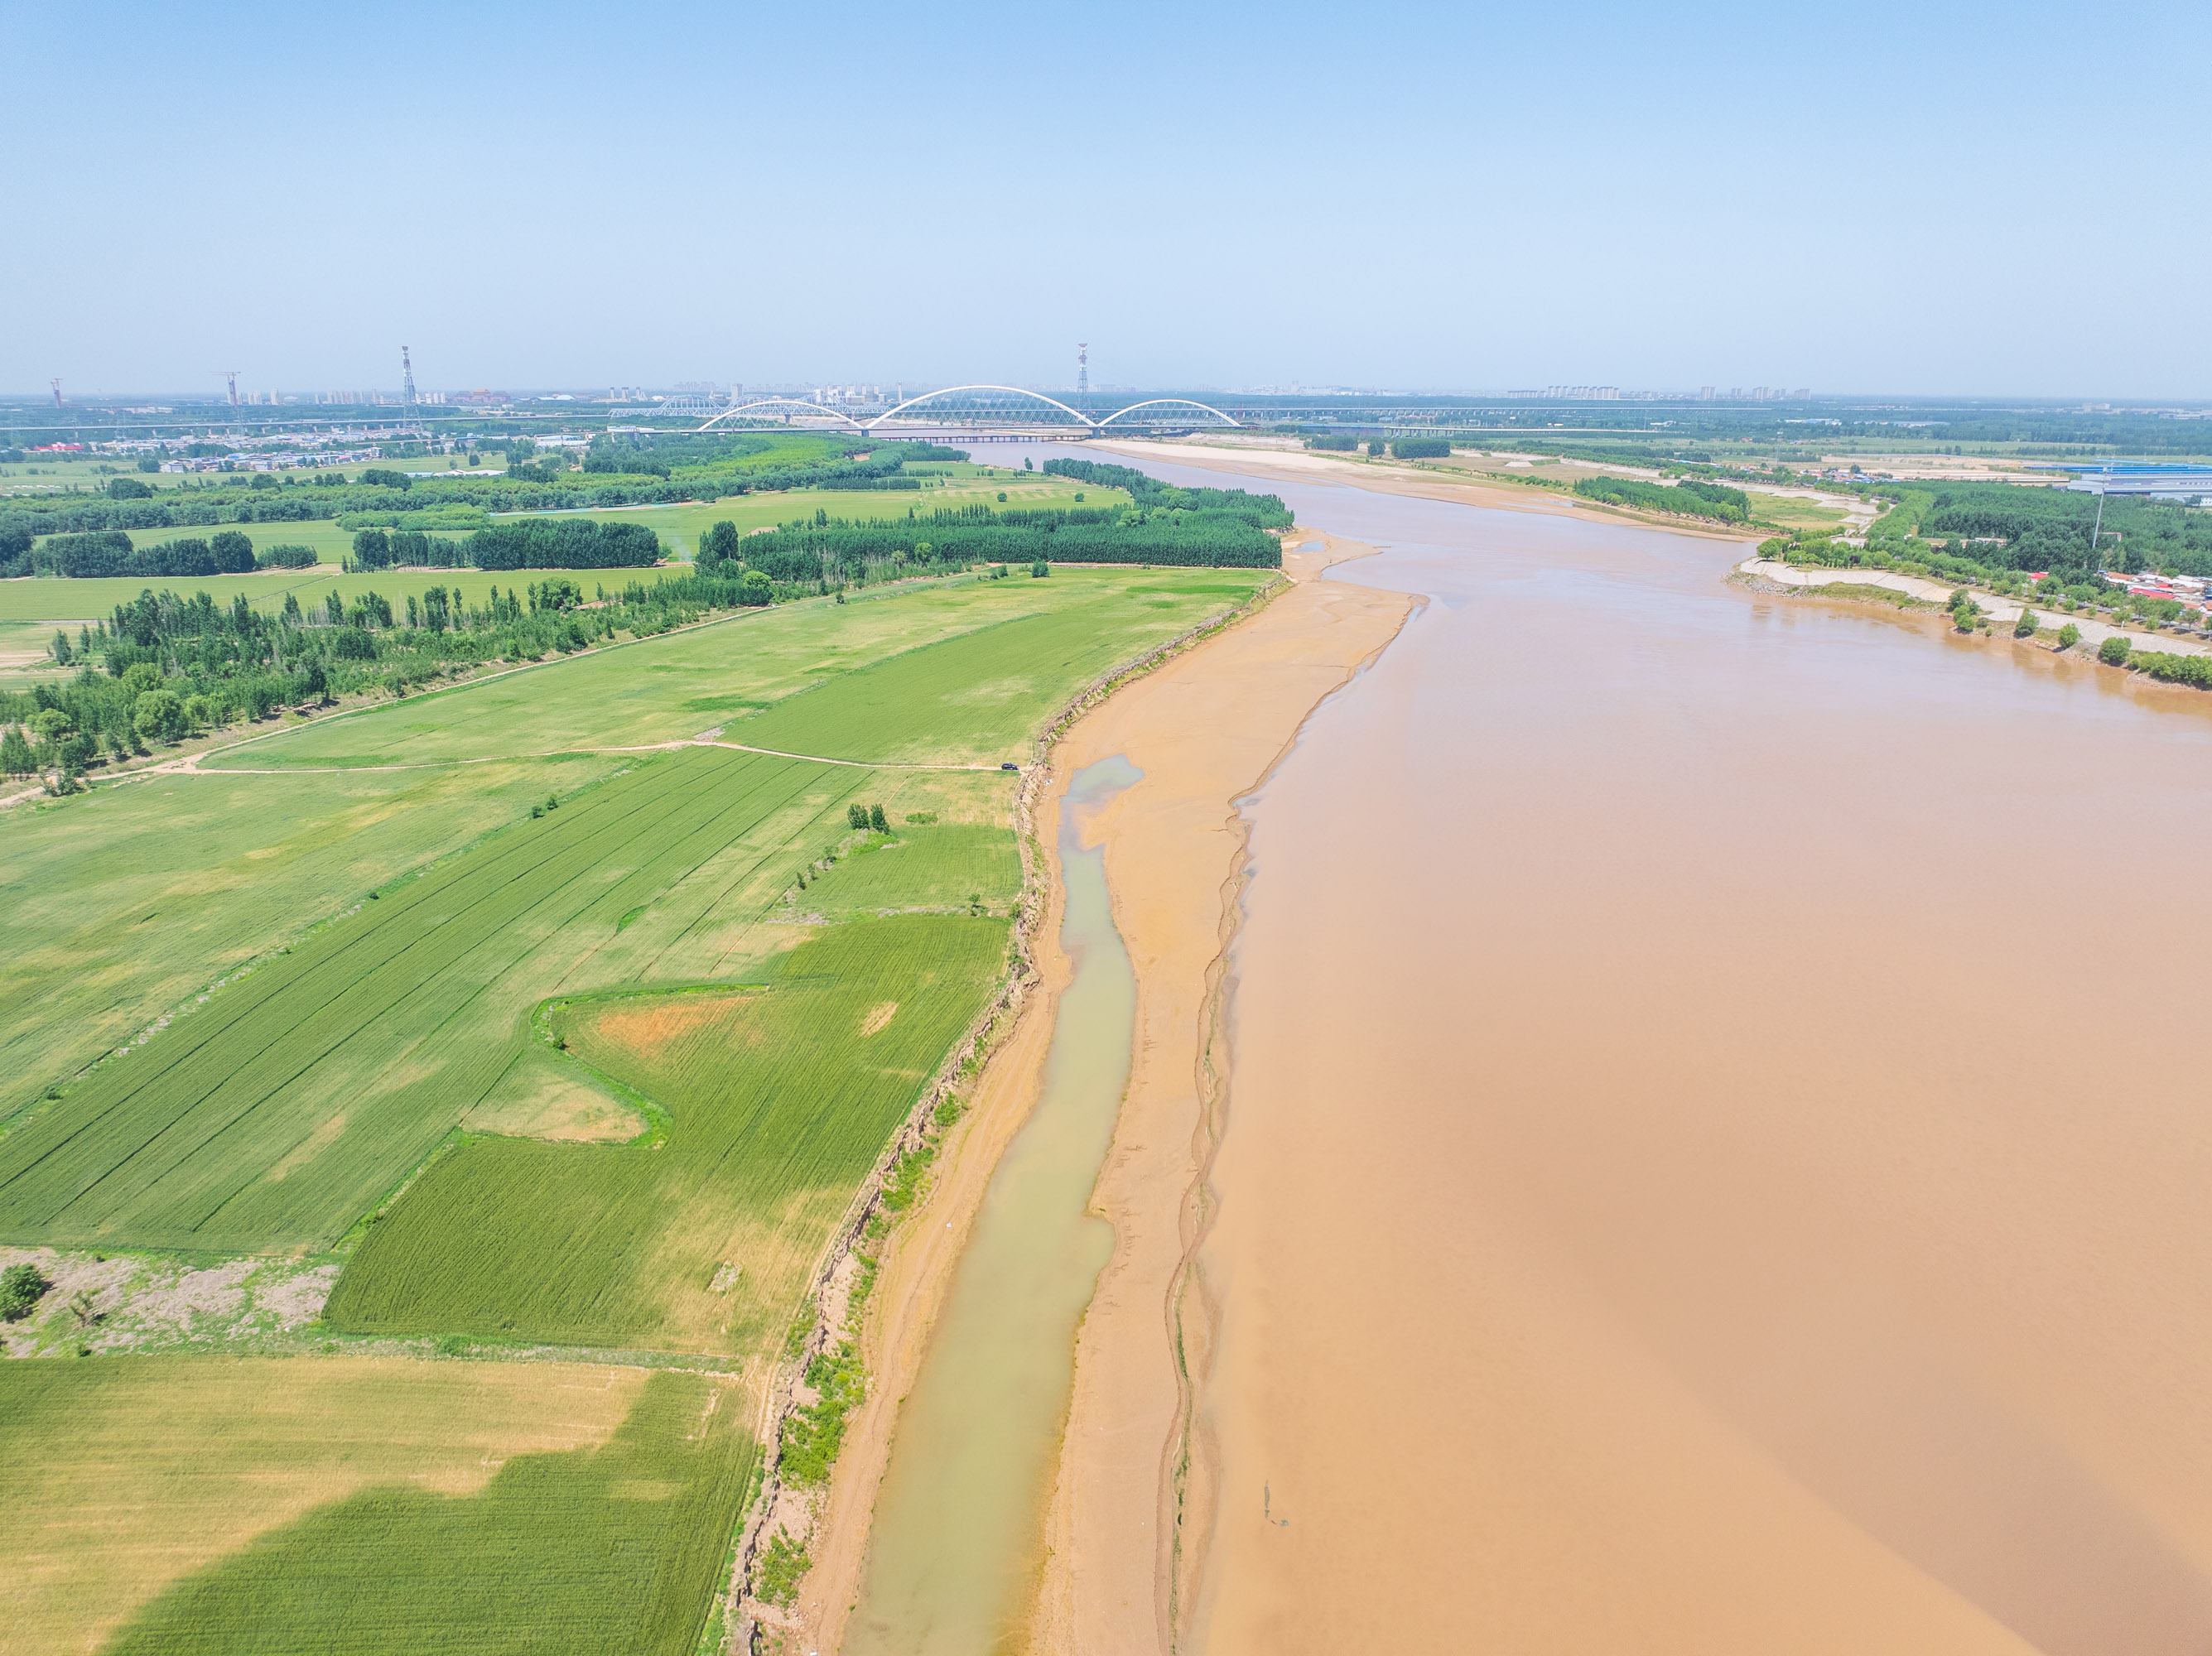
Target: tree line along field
<point>754,1041</point>
<point>733,673</point>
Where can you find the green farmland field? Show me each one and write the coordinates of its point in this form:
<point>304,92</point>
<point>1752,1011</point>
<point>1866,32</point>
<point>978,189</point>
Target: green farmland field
<point>780,1101</point>
<point>968,699</point>
<point>122,904</point>
<point>122,1477</point>
<point>276,1113</point>
<point>614,1549</point>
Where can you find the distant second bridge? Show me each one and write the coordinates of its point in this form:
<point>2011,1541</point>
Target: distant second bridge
<point>984,411</point>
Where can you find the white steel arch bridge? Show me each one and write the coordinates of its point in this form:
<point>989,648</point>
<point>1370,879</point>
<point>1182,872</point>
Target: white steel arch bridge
<point>979,410</point>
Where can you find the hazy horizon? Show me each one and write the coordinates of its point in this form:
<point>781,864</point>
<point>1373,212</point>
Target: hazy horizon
<point>1962,201</point>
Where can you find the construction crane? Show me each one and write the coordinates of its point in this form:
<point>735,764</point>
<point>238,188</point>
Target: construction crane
<point>406,379</point>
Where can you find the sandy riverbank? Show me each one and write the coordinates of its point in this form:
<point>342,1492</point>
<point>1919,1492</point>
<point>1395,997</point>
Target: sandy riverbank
<point>2001,610</point>
<point>1203,728</point>
<point>1204,731</point>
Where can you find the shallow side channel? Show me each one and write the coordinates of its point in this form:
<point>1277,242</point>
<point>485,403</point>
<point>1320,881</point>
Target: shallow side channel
<point>959,1522</point>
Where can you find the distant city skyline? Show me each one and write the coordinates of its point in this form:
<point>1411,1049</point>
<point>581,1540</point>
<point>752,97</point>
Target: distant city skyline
<point>1956,199</point>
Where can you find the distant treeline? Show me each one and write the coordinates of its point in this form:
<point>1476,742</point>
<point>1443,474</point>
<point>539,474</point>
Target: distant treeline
<point>2051,528</point>
<point>1216,528</point>
<point>1687,499</point>
<point>107,552</point>
<point>847,550</point>
<point>1996,534</point>
<point>535,544</point>
<point>697,466</point>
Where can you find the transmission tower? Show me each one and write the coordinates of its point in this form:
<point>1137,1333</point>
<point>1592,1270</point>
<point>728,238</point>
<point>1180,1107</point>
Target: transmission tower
<point>1082,368</point>
<point>406,379</point>
<point>57,393</point>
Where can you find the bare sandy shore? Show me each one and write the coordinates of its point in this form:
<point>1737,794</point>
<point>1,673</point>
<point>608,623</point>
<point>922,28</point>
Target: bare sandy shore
<point>1204,731</point>
<point>2002,611</point>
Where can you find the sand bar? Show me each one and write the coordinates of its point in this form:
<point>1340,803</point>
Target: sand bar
<point>1205,730</point>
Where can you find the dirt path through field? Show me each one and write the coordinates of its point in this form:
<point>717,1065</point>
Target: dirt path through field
<point>190,765</point>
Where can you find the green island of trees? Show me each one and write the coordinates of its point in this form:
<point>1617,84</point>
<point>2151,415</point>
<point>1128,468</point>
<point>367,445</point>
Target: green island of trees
<point>1688,498</point>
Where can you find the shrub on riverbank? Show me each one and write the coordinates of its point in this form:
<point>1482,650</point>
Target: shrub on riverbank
<point>2113,652</point>
<point>2196,672</point>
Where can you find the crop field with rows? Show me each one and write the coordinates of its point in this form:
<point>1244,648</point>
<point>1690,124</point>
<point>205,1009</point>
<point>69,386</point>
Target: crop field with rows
<point>779,1100</point>
<point>121,904</point>
<point>278,1112</point>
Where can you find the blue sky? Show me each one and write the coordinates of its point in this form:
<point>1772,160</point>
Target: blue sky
<point>1932,198</point>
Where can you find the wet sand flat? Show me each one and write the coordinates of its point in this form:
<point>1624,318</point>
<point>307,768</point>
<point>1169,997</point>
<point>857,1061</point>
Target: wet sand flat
<point>1203,730</point>
<point>1717,1153</point>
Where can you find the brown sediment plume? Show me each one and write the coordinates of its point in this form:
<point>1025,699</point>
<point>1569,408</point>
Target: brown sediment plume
<point>1204,729</point>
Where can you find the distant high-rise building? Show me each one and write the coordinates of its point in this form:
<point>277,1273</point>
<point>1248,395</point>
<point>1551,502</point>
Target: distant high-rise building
<point>1704,393</point>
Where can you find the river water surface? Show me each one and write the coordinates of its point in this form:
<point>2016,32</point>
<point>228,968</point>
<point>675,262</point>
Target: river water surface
<point>1718,1154</point>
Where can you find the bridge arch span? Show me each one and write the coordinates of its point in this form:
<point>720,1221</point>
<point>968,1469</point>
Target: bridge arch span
<point>1164,402</point>
<point>781,403</point>
<point>978,392</point>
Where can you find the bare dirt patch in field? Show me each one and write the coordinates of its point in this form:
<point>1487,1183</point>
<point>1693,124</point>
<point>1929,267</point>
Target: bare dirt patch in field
<point>564,1111</point>
<point>649,1027</point>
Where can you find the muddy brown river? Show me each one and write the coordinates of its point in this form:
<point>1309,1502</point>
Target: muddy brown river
<point>1719,1154</point>
<point>1717,1157</point>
